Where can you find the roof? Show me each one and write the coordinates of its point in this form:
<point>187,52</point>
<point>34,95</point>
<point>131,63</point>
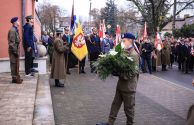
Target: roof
<point>179,23</point>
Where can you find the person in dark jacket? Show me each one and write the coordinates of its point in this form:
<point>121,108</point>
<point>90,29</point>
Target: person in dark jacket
<point>186,51</point>
<point>67,40</point>
<point>179,54</point>
<point>172,53</point>
<point>94,47</point>
<point>107,43</point>
<point>146,56</point>
<point>28,43</point>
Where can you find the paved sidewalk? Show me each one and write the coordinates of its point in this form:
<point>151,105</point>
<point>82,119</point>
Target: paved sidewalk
<point>86,100</point>
<point>17,100</point>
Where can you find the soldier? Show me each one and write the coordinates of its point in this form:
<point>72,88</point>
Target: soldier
<point>165,57</point>
<point>107,43</point>
<point>94,47</point>
<point>126,87</point>
<point>58,62</point>
<point>14,43</point>
<point>28,43</point>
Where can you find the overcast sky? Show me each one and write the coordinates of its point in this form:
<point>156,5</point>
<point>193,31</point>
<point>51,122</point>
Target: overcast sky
<point>82,6</point>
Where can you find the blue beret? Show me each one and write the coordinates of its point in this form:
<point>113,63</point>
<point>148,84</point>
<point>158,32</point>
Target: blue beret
<point>14,19</point>
<point>128,36</point>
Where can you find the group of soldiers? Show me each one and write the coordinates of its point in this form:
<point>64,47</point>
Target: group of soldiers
<point>28,45</point>
<point>95,47</point>
<point>172,50</point>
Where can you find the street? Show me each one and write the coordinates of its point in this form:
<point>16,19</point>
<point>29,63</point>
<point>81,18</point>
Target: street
<point>86,100</point>
<point>177,77</point>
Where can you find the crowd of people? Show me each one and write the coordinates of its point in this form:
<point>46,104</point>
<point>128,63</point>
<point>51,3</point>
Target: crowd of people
<point>58,45</point>
<point>179,50</point>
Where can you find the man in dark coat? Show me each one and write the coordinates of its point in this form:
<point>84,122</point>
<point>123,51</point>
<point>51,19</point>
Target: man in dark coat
<point>179,54</point>
<point>186,51</point>
<point>14,43</point>
<point>146,50</point>
<point>94,47</point>
<point>28,43</point>
<point>126,87</point>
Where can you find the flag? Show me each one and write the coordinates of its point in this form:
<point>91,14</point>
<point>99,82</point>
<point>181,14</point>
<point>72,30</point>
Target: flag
<point>103,28</point>
<point>158,42</point>
<point>100,33</point>
<point>73,18</point>
<point>145,34</point>
<point>118,35</point>
<point>79,48</point>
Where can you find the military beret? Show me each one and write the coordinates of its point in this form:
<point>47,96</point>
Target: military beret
<point>59,31</point>
<point>29,17</point>
<point>14,19</point>
<point>128,36</point>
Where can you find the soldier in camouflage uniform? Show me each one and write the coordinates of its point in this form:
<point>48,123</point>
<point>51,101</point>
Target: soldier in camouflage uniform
<point>14,43</point>
<point>126,87</point>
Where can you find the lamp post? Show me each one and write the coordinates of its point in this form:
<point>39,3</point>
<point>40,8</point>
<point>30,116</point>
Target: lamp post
<point>89,27</point>
<point>174,18</point>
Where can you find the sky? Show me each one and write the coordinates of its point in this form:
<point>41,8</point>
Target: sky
<point>82,6</point>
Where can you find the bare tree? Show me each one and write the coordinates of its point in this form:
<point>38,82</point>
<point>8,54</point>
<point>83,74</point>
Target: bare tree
<point>49,14</point>
<point>157,12</point>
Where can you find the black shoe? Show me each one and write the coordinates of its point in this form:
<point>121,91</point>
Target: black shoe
<point>58,84</point>
<point>83,72</point>
<point>68,72</point>
<point>34,70</point>
<point>61,85</point>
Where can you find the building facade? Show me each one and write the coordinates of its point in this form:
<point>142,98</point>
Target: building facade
<point>21,9</point>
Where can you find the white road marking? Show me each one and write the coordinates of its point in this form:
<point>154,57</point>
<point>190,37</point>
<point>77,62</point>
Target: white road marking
<point>174,83</point>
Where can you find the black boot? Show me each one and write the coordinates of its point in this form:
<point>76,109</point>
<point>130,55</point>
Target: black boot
<point>82,70</point>
<point>56,82</point>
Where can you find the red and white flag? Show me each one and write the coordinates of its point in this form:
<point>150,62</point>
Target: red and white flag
<point>102,30</point>
<point>118,36</point>
<point>158,42</point>
<point>145,34</point>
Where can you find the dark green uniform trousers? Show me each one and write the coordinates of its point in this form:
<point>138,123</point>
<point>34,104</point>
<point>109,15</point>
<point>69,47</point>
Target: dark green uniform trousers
<point>128,98</point>
<point>13,65</point>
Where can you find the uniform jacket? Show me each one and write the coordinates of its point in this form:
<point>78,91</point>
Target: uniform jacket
<point>166,54</point>
<point>125,83</point>
<point>107,45</point>
<point>148,48</point>
<point>13,40</point>
<point>28,36</point>
<point>58,62</point>
<point>94,44</point>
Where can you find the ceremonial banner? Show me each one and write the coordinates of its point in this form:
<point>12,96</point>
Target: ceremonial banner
<point>145,34</point>
<point>118,35</point>
<point>158,42</point>
<point>79,48</point>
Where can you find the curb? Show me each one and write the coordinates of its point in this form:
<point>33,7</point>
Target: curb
<point>43,112</point>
